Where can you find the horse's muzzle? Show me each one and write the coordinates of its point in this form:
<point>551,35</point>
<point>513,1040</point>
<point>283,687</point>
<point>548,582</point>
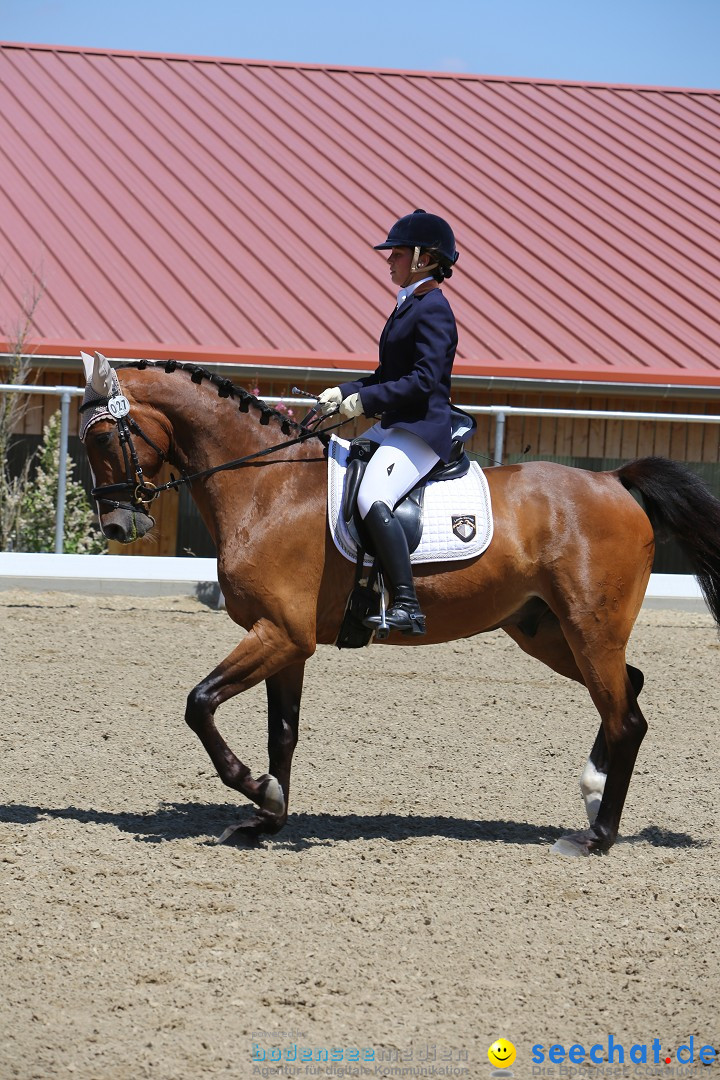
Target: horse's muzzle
<point>125,525</point>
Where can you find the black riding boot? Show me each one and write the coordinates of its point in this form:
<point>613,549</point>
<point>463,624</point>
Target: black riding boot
<point>391,548</point>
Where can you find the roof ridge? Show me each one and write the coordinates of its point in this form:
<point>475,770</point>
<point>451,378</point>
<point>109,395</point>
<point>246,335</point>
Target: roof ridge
<point>139,54</point>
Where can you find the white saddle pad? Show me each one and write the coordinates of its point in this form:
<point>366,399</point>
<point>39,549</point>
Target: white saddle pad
<point>457,519</point>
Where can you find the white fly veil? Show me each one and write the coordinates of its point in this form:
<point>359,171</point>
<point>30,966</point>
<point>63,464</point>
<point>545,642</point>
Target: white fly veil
<point>102,384</point>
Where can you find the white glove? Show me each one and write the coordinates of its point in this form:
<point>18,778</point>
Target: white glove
<point>329,400</point>
<point>352,406</point>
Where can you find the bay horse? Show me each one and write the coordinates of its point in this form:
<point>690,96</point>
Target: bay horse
<point>564,576</point>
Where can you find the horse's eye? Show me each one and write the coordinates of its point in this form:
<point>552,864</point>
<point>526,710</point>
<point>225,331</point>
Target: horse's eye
<point>102,438</point>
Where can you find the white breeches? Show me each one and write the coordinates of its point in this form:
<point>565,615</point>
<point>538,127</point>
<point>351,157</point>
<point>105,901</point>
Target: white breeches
<point>401,460</point>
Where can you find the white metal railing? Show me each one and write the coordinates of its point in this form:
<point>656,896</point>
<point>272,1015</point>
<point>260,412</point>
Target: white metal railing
<point>500,412</point>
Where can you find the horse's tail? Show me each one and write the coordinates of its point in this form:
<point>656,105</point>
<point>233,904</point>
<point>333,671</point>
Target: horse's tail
<point>680,505</point>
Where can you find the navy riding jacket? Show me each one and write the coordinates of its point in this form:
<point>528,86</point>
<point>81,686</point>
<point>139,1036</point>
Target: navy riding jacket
<point>411,386</point>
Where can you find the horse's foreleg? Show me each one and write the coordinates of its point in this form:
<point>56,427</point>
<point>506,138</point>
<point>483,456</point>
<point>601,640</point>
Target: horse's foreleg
<point>284,691</point>
<point>258,657</point>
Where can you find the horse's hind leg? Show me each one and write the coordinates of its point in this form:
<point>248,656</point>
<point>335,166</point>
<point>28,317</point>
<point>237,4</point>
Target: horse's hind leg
<point>594,775</point>
<point>623,725</point>
<point>545,640</point>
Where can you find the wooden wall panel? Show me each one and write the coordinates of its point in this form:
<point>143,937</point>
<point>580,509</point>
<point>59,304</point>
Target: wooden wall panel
<point>710,443</point>
<point>613,435</point>
<point>678,436</point>
<point>598,430</point>
<point>662,433</point>
<point>646,437</point>
<point>530,426</point>
<point>628,429</point>
<point>694,442</point>
<point>579,446</point>
<point>515,441</point>
<point>563,429</point>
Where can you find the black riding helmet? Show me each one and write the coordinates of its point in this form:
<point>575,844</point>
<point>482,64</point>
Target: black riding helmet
<point>423,230</point>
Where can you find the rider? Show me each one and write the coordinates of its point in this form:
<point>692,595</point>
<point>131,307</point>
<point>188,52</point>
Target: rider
<point>410,392</point>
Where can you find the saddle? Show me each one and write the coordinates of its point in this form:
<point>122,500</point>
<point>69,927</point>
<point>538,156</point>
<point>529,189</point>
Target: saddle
<point>409,511</point>
<point>365,598</point>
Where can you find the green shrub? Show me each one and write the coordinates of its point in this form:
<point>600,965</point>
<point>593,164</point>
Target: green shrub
<point>36,530</point>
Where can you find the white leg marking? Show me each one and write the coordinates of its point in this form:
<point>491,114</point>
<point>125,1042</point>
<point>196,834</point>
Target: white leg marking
<point>273,799</point>
<point>592,785</point>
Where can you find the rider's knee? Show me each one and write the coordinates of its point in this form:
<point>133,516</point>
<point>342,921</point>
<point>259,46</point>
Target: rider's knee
<point>366,499</point>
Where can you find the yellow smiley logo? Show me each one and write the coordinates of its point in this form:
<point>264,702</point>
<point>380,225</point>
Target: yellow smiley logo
<point>501,1054</point>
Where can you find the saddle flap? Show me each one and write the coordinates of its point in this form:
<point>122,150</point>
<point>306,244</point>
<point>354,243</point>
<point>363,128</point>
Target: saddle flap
<point>360,452</point>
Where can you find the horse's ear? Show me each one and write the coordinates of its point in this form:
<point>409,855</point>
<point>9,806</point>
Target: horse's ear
<point>101,378</point>
<point>88,365</point>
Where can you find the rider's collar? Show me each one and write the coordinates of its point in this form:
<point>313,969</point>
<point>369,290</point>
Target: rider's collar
<point>405,293</point>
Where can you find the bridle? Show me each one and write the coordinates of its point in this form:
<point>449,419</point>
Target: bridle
<point>142,491</point>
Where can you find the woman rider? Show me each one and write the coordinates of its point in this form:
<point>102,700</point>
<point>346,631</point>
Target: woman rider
<point>410,392</point>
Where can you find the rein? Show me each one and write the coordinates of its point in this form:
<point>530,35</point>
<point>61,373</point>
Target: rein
<point>143,491</point>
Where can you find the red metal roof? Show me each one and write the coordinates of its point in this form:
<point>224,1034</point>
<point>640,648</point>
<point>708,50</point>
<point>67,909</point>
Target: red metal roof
<point>185,206</point>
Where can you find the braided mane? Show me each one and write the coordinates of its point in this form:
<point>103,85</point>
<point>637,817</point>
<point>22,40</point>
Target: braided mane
<point>225,389</point>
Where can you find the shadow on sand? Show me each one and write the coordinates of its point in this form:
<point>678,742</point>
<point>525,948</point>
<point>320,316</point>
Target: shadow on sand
<point>205,821</point>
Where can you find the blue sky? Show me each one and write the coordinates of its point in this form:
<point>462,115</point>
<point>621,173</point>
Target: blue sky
<point>650,42</point>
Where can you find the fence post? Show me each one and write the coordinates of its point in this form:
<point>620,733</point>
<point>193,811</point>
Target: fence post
<point>62,473</point>
<point>499,438</point>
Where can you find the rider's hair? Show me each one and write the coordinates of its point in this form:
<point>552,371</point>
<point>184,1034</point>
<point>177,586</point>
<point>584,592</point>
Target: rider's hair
<point>443,269</point>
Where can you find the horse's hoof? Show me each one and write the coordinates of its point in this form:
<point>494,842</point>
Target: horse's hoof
<point>253,830</point>
<point>273,800</point>
<point>247,832</point>
<point>579,844</point>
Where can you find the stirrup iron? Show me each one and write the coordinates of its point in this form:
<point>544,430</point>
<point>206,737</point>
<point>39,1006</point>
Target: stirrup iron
<point>402,615</point>
<point>379,622</point>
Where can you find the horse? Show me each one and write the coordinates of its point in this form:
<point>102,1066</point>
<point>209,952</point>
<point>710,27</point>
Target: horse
<point>564,576</point>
